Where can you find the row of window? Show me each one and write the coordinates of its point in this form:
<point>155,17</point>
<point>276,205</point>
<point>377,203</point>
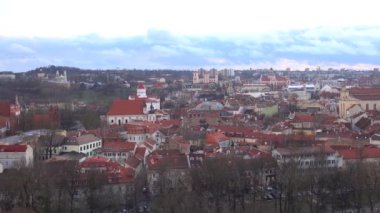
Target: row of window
<point>115,154</point>
<point>90,146</point>
<point>317,163</point>
<point>133,138</point>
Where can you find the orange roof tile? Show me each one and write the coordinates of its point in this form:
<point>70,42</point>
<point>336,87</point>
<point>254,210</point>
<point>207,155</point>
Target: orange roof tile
<point>127,107</point>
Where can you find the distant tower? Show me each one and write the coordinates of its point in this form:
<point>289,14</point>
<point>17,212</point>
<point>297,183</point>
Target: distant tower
<point>195,77</point>
<point>141,91</point>
<point>206,77</point>
<point>65,75</point>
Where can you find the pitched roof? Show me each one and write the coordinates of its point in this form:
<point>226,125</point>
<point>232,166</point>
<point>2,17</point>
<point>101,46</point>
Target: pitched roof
<point>365,93</point>
<point>133,162</point>
<point>216,137</point>
<point>171,122</point>
<point>303,117</point>
<point>13,148</point>
<point>140,152</point>
<point>149,143</point>
<point>357,153</point>
<point>167,159</point>
<point>363,123</point>
<point>305,150</point>
<point>83,139</point>
<point>109,146</point>
<point>127,107</point>
<point>114,171</point>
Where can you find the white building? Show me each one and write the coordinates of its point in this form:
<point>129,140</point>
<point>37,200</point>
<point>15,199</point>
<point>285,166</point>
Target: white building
<point>85,144</point>
<point>118,150</point>
<point>125,111</point>
<point>7,76</point>
<point>16,156</point>
<point>60,79</point>
<point>308,157</point>
<point>205,77</point>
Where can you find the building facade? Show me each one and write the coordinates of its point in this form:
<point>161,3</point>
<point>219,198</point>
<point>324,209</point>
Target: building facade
<point>366,98</point>
<point>16,156</point>
<point>205,77</point>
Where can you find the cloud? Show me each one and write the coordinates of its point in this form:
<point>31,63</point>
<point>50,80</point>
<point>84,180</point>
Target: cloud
<point>340,47</point>
<point>18,48</point>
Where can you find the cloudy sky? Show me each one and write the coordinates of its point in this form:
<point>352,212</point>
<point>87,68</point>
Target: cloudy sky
<point>181,34</point>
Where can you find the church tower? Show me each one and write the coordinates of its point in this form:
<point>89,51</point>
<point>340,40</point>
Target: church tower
<point>141,91</point>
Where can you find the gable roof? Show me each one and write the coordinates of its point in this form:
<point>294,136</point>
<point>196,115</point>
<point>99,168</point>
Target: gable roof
<point>127,107</point>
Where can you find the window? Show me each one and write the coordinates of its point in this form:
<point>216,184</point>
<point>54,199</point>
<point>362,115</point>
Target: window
<point>367,106</point>
<point>80,148</point>
<point>374,106</point>
<point>87,147</point>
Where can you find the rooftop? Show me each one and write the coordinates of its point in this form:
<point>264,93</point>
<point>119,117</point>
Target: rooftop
<point>127,107</point>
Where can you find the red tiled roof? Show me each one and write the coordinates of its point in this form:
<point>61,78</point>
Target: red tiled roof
<point>167,159</point>
<point>140,152</point>
<point>13,148</point>
<point>234,130</point>
<point>5,108</point>
<point>303,117</point>
<point>143,127</point>
<point>171,122</point>
<point>365,93</point>
<point>114,171</point>
<point>118,146</point>
<point>357,153</point>
<point>95,161</point>
<point>305,150</point>
<point>216,137</point>
<point>127,107</point>
<point>133,162</point>
<point>149,143</point>
<point>373,128</point>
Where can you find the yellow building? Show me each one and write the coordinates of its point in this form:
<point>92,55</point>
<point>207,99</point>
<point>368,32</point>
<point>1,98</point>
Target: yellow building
<point>367,98</point>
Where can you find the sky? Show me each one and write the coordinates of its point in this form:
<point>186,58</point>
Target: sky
<point>178,34</point>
